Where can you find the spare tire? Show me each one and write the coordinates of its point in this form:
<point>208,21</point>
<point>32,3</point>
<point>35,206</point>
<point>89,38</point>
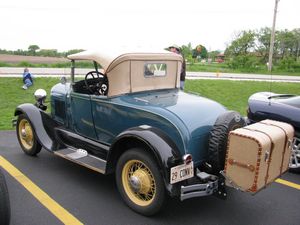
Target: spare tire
<point>219,137</point>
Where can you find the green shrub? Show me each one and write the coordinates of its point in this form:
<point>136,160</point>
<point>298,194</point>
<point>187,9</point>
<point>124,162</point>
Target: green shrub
<point>25,64</point>
<point>289,64</point>
<point>244,63</point>
<point>3,64</point>
<point>60,65</point>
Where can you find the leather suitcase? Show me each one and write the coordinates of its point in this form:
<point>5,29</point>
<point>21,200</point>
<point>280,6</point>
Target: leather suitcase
<point>257,154</point>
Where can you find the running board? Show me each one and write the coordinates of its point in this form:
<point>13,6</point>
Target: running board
<point>81,157</point>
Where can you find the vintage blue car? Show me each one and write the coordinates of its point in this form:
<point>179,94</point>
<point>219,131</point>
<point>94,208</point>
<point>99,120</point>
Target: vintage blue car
<point>280,107</point>
<point>128,116</point>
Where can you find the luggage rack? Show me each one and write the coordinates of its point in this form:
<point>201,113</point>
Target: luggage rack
<point>230,182</point>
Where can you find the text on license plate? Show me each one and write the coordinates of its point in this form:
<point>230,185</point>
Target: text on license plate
<point>181,172</point>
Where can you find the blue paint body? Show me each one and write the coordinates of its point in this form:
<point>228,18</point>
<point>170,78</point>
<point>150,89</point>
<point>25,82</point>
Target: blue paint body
<point>185,118</point>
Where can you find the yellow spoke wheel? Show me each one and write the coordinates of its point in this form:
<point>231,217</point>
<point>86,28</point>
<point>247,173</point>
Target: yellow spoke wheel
<point>139,183</point>
<point>26,136</point>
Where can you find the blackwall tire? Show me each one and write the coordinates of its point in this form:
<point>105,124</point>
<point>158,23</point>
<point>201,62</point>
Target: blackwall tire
<point>219,137</point>
<point>139,182</point>
<point>4,202</point>
<point>26,136</point>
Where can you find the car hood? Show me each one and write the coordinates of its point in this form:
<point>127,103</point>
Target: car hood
<point>288,99</point>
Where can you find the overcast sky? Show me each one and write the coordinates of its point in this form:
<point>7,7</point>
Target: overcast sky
<point>70,24</point>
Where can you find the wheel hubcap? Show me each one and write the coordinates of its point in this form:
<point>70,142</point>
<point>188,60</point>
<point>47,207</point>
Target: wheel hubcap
<point>138,182</point>
<point>26,134</point>
<point>135,183</point>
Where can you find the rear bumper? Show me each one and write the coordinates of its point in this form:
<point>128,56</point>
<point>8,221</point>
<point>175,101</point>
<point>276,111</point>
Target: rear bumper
<point>207,185</point>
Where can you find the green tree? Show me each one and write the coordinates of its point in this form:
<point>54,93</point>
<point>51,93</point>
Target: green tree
<point>73,51</point>
<point>296,51</point>
<point>20,52</point>
<point>49,52</point>
<point>288,43</point>
<point>199,52</point>
<point>262,43</point>
<point>241,53</point>
<point>204,53</point>
<point>186,51</point>
<point>32,49</point>
<point>242,45</point>
<point>213,54</point>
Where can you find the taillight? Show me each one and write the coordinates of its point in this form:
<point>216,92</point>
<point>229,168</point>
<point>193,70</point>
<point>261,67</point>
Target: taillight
<point>187,158</point>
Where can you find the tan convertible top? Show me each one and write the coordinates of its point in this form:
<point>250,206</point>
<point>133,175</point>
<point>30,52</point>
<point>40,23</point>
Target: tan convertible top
<point>125,69</point>
<point>108,59</point>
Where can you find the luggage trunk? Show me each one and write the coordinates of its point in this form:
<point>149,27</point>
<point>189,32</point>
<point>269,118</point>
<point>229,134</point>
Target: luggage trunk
<point>257,154</point>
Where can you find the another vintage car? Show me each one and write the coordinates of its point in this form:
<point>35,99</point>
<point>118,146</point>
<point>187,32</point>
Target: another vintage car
<point>128,116</point>
<point>280,107</point>
<point>4,201</point>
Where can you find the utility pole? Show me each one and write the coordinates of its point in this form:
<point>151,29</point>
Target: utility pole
<point>272,37</point>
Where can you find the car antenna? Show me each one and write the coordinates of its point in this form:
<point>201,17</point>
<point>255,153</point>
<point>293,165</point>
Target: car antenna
<point>270,86</point>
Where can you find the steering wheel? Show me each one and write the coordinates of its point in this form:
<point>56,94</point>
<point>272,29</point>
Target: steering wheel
<point>96,83</point>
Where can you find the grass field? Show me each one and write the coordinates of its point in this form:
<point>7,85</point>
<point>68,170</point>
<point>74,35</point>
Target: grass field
<point>232,94</point>
<point>12,94</point>
<point>223,68</point>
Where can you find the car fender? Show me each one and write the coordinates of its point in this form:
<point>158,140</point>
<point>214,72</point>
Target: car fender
<point>157,142</point>
<point>40,121</point>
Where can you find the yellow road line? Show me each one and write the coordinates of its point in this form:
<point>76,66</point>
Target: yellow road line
<point>57,210</point>
<point>288,183</point>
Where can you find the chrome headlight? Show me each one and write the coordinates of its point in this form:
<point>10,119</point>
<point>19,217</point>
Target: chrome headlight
<point>40,95</point>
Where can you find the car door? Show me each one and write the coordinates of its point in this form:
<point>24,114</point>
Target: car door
<point>81,112</point>
<point>107,121</point>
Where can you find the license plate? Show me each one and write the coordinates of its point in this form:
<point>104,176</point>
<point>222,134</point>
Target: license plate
<point>181,172</point>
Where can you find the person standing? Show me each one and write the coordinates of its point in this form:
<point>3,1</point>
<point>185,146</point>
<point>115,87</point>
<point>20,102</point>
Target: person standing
<point>27,79</point>
<point>176,49</point>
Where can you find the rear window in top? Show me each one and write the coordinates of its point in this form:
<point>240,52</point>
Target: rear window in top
<point>155,69</point>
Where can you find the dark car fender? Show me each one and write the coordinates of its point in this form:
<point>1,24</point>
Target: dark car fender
<point>43,125</point>
<point>260,110</point>
<point>152,139</point>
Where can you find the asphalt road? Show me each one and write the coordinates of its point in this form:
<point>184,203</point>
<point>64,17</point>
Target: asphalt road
<point>93,198</point>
